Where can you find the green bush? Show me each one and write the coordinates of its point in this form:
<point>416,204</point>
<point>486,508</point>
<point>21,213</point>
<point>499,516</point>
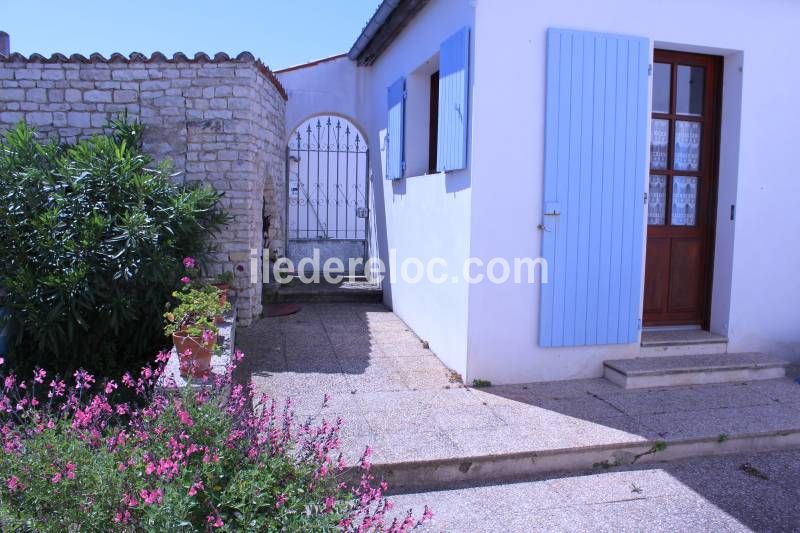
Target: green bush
<point>91,242</point>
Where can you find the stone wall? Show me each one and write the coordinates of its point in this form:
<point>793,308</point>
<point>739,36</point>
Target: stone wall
<point>220,120</point>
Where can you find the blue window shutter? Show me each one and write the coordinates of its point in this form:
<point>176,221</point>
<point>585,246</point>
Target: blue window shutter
<point>596,121</point>
<point>451,150</point>
<point>395,130</point>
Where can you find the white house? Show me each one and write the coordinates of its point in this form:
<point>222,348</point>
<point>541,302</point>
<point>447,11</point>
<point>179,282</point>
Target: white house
<point>645,149</point>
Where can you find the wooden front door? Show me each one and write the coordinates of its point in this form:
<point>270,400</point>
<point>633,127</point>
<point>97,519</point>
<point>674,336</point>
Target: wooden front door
<point>682,191</point>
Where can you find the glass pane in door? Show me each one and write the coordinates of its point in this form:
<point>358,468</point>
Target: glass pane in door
<point>687,146</point>
<point>689,90</point>
<point>684,200</point>
<point>661,87</point>
<point>657,200</point>
<point>659,143</point>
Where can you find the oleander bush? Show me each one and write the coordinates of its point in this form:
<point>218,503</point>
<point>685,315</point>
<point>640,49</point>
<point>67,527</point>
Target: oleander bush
<point>75,458</point>
<point>91,241</point>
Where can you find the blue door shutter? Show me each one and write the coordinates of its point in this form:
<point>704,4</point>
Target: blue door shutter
<point>595,136</point>
<point>451,148</point>
<point>395,130</point>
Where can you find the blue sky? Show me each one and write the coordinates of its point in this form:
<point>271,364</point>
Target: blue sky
<point>281,32</point>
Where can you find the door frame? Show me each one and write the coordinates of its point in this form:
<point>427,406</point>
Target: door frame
<point>714,94</point>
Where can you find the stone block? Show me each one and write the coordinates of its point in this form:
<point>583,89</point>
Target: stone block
<point>28,74</point>
<point>10,95</point>
<point>129,74</point>
<point>55,95</point>
<point>11,117</point>
<point>152,85</point>
<point>93,74</point>
<point>169,101</point>
<point>72,95</point>
<point>53,74</point>
<point>39,118</point>
<point>36,95</point>
<point>123,96</point>
<point>79,119</point>
<point>218,103</point>
<point>99,120</point>
<point>59,119</point>
<point>97,96</point>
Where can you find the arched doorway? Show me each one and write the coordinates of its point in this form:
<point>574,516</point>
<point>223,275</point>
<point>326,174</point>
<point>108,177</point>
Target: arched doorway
<point>328,190</point>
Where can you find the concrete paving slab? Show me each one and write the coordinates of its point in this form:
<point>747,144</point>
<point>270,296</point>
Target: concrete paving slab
<point>425,427</point>
<point>707,494</point>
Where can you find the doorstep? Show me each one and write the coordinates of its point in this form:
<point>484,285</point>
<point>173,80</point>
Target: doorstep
<point>660,342</point>
<point>672,370</point>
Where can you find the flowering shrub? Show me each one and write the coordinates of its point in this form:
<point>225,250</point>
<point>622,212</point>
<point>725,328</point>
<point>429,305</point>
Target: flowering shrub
<point>91,241</point>
<point>215,458</point>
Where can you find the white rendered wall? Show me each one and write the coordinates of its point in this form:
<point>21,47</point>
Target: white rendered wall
<point>329,86</point>
<point>426,216</point>
<point>760,286</point>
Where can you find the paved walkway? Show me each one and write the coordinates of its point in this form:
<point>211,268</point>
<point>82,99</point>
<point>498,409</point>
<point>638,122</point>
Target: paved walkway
<point>396,396</point>
<point>728,493</point>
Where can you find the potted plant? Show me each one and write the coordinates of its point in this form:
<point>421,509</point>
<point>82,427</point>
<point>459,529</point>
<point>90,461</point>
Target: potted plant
<point>223,284</point>
<point>191,325</point>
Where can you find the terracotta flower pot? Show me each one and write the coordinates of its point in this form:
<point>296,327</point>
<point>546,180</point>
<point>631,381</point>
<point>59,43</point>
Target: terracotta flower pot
<point>223,292</point>
<point>194,354</point>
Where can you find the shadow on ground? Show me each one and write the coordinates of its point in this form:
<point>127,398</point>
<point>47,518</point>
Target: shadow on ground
<point>396,396</point>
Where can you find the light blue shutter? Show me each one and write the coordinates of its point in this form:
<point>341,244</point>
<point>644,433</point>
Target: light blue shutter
<point>595,135</point>
<point>451,150</point>
<point>395,130</point>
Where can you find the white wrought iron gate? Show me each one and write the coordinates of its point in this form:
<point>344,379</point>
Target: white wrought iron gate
<point>328,191</point>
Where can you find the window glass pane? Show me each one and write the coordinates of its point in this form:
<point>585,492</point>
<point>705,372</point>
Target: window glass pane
<point>684,200</point>
<point>659,143</point>
<point>687,145</point>
<point>661,87</point>
<point>657,199</point>
<point>690,84</point>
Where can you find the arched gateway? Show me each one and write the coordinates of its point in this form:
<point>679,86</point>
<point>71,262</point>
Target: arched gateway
<point>327,190</point>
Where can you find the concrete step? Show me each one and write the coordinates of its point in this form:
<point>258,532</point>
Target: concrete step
<point>510,467</point>
<point>349,290</point>
<point>675,370</point>
<point>682,342</point>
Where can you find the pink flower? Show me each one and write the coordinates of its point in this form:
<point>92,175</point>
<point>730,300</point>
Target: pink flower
<point>188,262</point>
<point>208,336</point>
<point>56,478</point>
<point>151,496</point>
<point>110,386</point>
<point>196,486</point>
<point>39,375</point>
<point>185,280</point>
<point>13,484</point>
<point>280,501</point>
<point>71,470</point>
<point>329,503</point>
<point>366,464</point>
<point>215,521</point>
<point>2,361</point>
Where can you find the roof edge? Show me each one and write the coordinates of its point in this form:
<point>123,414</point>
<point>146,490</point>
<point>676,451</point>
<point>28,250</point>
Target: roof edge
<point>311,63</point>
<point>155,57</point>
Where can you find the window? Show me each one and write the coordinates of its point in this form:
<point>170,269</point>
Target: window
<point>433,123</point>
